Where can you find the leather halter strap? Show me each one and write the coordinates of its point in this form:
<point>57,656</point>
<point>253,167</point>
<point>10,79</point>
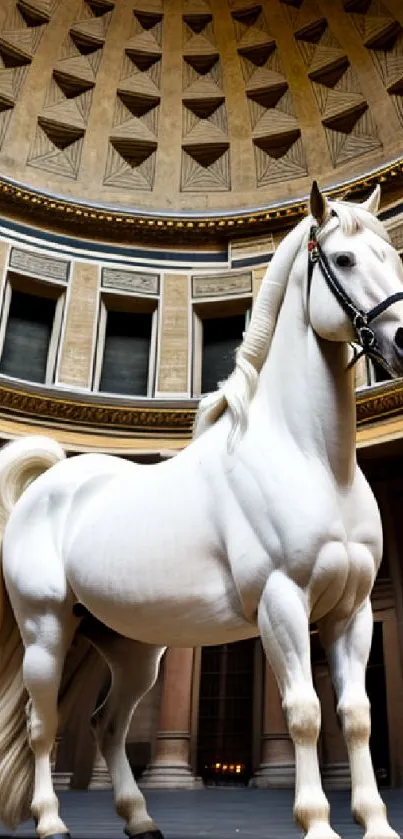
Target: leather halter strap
<point>360,320</point>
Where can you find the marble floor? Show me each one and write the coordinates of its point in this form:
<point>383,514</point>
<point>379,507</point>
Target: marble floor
<point>220,813</point>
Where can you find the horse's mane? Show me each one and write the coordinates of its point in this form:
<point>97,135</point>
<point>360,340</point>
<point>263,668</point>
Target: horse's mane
<point>237,392</point>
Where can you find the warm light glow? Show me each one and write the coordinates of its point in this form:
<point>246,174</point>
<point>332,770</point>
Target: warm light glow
<point>227,767</point>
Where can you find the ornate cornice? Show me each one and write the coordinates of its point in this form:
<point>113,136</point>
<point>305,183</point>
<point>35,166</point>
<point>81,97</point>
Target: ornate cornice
<point>379,402</point>
<point>112,224</point>
<point>149,418</point>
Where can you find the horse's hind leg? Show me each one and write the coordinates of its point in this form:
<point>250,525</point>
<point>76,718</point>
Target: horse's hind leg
<point>284,629</point>
<point>348,649</point>
<point>47,637</point>
<point>134,668</point>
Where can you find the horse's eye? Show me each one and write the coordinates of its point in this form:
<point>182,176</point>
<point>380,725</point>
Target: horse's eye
<point>344,260</point>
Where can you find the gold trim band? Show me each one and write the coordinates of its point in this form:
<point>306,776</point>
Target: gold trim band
<point>152,419</point>
<point>22,201</point>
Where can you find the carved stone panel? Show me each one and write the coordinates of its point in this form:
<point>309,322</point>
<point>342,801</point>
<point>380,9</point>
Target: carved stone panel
<point>220,285</point>
<point>43,266</point>
<point>133,281</point>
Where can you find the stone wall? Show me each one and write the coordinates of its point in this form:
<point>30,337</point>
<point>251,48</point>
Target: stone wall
<point>177,284</point>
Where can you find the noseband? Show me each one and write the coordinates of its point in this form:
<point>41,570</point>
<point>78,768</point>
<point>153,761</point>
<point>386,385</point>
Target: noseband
<point>366,337</point>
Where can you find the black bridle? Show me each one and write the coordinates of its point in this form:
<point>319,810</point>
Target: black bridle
<point>366,337</point>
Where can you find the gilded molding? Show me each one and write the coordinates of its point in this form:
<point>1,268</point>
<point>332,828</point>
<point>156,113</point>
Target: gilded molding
<point>379,402</point>
<point>22,201</point>
<point>46,407</point>
<point>152,418</point>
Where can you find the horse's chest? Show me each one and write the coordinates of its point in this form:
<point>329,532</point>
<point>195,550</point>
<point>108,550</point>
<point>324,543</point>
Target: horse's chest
<point>342,578</point>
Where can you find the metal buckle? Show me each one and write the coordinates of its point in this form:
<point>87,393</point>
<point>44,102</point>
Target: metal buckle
<point>366,337</point>
<point>359,321</point>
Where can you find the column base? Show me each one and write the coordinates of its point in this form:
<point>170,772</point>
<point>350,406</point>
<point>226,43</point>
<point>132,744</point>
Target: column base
<point>169,776</point>
<point>336,776</point>
<point>61,781</point>
<point>100,778</point>
<point>274,776</point>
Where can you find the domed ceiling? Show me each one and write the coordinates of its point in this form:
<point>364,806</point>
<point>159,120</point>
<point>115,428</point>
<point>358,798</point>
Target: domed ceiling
<point>197,104</point>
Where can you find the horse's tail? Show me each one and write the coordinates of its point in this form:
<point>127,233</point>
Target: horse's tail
<point>20,463</point>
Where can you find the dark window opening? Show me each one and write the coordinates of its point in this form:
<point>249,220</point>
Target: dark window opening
<point>27,339</point>
<point>126,353</point>
<point>380,374</point>
<point>376,689</point>
<point>221,338</point>
<point>225,735</point>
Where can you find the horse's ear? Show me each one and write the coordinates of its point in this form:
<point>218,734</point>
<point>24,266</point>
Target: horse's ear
<point>318,205</point>
<point>372,203</point>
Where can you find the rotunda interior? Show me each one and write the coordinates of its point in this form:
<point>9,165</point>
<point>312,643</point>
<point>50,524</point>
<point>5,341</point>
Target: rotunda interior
<point>153,155</point>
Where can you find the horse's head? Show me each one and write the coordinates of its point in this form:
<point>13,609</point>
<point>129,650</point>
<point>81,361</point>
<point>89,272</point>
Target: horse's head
<point>355,279</point>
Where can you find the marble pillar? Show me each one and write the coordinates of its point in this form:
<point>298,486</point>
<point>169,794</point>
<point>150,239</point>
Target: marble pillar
<point>61,779</point>
<point>277,764</point>
<point>171,765</point>
<point>361,373</point>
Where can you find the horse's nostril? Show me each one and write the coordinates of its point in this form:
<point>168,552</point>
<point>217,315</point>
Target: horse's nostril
<point>399,338</point>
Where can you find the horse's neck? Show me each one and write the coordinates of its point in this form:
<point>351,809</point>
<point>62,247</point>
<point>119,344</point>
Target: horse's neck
<point>306,387</point>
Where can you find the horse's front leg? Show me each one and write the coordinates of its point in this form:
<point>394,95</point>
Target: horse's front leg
<point>284,628</point>
<point>348,649</point>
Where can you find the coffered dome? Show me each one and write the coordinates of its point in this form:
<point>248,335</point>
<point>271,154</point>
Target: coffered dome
<point>197,104</point>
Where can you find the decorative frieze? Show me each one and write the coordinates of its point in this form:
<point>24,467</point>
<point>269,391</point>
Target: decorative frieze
<point>133,281</point>
<point>40,265</point>
<point>222,285</point>
<point>68,408</point>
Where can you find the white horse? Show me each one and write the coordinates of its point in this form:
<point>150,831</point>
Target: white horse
<point>263,524</point>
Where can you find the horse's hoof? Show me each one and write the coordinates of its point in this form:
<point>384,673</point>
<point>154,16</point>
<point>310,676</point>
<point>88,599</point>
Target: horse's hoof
<point>149,834</point>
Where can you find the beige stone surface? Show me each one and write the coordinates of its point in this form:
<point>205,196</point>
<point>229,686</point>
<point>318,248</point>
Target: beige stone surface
<point>361,376</point>
<point>78,338</point>
<point>257,277</point>
<point>174,349</point>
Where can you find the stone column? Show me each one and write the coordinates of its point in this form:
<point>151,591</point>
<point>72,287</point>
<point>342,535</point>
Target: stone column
<point>361,375</point>
<point>61,780</point>
<point>171,765</point>
<point>174,346</point>
<point>76,357</point>
<point>335,766</point>
<point>277,766</point>
<point>100,778</point>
